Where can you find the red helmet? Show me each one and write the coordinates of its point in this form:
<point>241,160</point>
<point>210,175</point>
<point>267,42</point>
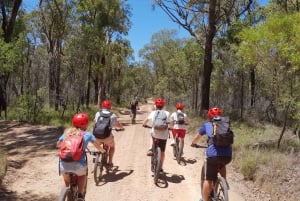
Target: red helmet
<point>80,120</point>
<point>106,104</point>
<point>179,106</point>
<point>215,111</point>
<point>159,102</point>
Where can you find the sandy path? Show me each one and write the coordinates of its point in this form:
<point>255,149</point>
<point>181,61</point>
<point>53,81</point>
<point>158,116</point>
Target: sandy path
<point>33,170</point>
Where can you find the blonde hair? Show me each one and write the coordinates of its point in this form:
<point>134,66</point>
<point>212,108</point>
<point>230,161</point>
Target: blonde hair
<point>72,131</point>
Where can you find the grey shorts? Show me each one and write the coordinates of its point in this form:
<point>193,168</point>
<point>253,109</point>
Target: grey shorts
<point>74,167</point>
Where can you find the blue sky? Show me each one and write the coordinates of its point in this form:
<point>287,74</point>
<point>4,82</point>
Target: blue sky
<point>145,22</point>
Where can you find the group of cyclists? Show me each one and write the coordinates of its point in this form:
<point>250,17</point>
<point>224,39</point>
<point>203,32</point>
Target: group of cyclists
<point>216,158</point>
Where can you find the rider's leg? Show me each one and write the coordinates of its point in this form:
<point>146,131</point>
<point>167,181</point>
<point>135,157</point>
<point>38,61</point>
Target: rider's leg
<point>66,179</point>
<point>81,182</point>
<point>206,189</point>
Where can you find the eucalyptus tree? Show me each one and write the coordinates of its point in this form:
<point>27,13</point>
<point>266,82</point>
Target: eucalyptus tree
<point>274,48</point>
<point>171,61</point>
<point>53,24</point>
<point>205,20</point>
<point>9,12</point>
<point>104,23</point>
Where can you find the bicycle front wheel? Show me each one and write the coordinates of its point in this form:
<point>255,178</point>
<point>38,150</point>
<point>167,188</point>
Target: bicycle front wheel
<point>221,193</point>
<point>66,195</point>
<point>156,164</point>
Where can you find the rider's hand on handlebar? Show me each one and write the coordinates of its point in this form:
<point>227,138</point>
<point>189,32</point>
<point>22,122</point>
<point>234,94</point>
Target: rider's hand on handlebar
<point>193,145</point>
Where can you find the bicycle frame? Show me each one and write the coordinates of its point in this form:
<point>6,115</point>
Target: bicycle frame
<point>100,162</point>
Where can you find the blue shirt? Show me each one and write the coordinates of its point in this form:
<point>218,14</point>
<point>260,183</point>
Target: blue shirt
<point>212,150</point>
<point>87,137</point>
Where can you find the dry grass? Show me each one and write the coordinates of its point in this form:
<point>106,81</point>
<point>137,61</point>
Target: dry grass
<point>3,164</point>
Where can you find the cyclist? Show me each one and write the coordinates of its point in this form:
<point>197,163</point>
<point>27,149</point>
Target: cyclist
<point>80,122</point>
<point>177,126</point>
<point>216,157</point>
<point>105,108</point>
<point>134,106</point>
<point>161,134</point>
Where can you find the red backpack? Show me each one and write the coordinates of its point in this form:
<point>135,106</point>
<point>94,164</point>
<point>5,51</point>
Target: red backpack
<point>71,148</point>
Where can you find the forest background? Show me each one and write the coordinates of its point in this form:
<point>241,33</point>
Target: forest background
<point>67,55</point>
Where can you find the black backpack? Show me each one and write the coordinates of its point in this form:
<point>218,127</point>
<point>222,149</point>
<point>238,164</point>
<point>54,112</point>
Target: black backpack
<point>222,134</point>
<point>102,128</point>
<point>180,118</point>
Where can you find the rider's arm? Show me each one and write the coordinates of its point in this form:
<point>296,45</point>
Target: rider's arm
<point>98,147</point>
<point>196,139</point>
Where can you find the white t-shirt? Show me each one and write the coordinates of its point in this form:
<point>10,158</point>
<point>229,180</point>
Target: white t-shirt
<point>173,117</point>
<point>156,133</point>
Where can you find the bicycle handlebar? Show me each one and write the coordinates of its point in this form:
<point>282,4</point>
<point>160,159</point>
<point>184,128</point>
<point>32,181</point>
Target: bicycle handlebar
<point>118,129</point>
<point>198,146</point>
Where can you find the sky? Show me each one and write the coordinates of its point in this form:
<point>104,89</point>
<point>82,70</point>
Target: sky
<point>145,22</point>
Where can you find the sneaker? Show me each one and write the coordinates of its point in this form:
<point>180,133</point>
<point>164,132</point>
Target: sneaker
<point>110,165</point>
<point>172,142</point>
<point>150,152</point>
<point>80,197</point>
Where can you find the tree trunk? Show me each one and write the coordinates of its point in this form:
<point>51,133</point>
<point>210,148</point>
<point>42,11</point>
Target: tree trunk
<point>8,22</point>
<point>252,84</point>
<point>208,66</point>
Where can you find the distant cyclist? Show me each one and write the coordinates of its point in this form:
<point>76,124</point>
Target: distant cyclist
<point>216,157</point>
<point>134,106</point>
<point>178,122</point>
<point>80,122</point>
<point>159,133</point>
<point>105,109</point>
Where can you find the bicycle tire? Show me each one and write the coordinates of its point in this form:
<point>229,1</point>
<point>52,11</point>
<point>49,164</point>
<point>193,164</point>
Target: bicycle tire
<point>179,150</point>
<point>65,195</point>
<point>157,164</point>
<point>96,168</point>
<point>222,190</point>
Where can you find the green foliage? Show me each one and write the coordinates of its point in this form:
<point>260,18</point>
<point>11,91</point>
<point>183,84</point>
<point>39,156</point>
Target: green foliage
<point>248,167</point>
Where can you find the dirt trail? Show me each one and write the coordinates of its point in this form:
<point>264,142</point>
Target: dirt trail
<point>33,170</point>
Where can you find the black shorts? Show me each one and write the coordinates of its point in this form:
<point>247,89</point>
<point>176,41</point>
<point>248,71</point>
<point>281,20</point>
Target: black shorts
<point>212,165</point>
<point>161,143</point>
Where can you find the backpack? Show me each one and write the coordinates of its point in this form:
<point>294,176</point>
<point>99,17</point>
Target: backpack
<point>102,128</point>
<point>72,148</point>
<point>222,134</point>
<point>160,120</point>
<point>180,118</point>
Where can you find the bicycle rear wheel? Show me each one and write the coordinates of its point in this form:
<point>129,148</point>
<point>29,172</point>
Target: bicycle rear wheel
<point>66,195</point>
<point>179,149</point>
<point>221,193</point>
<point>156,164</point>
<point>98,168</point>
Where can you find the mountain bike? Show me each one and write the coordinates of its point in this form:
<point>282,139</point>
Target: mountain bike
<point>219,187</point>
<point>69,193</point>
<point>155,158</point>
<point>100,161</point>
<point>178,148</point>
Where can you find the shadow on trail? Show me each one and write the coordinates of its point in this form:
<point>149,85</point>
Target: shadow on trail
<point>114,175</point>
<point>6,195</point>
<point>167,178</point>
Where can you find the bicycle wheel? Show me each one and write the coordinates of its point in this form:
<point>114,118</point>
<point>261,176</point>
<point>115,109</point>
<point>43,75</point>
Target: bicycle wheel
<point>156,164</point>
<point>179,145</point>
<point>66,195</point>
<point>97,167</point>
<point>221,193</point>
